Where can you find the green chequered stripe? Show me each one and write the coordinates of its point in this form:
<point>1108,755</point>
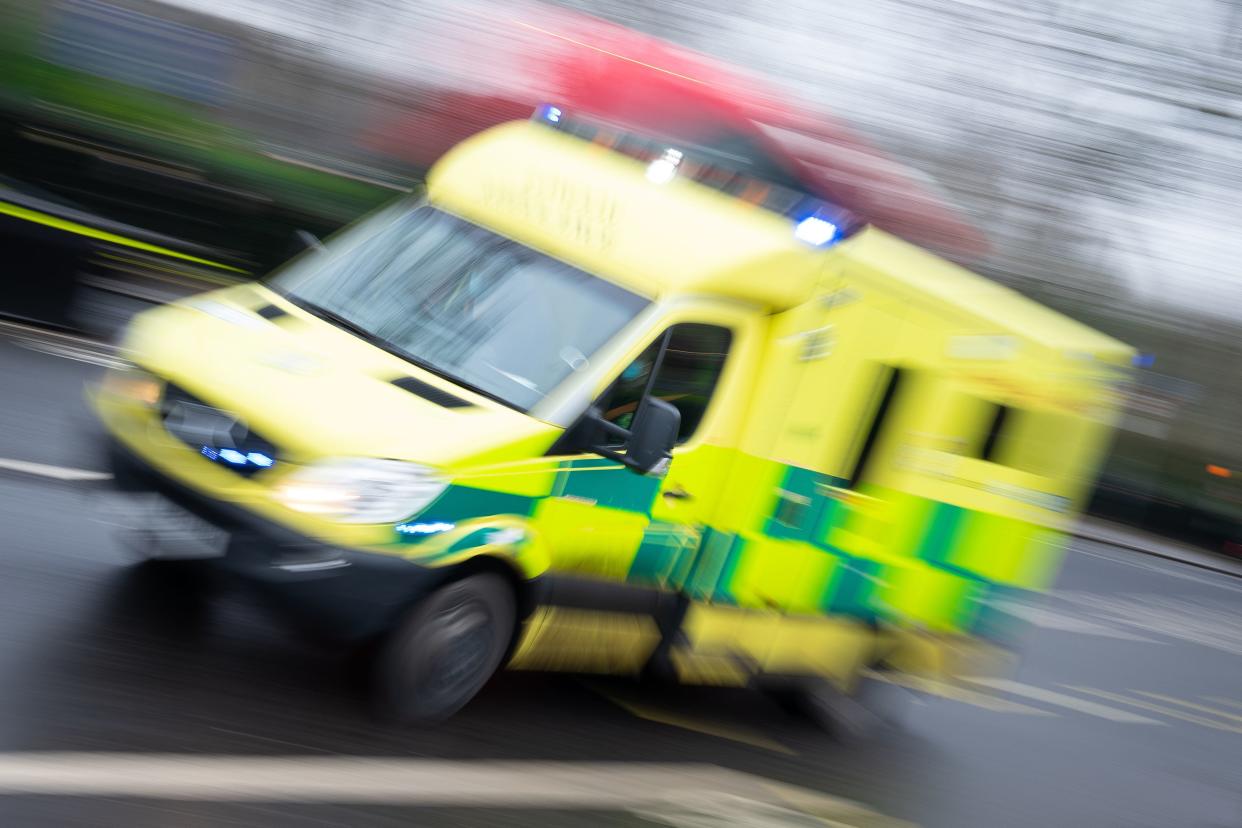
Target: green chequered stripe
<point>458,503</point>
<point>800,504</point>
<point>940,533</point>
<point>884,554</point>
<point>607,484</point>
<point>926,548</point>
<point>665,556</point>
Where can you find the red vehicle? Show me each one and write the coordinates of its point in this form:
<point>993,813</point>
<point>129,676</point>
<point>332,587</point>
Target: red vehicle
<point>593,68</point>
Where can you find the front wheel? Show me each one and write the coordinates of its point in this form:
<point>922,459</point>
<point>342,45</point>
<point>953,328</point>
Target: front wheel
<point>445,650</point>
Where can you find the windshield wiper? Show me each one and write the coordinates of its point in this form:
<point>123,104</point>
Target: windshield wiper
<point>378,341</point>
<point>335,318</point>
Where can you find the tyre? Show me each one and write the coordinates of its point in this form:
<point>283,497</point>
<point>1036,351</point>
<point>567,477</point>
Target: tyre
<point>444,650</point>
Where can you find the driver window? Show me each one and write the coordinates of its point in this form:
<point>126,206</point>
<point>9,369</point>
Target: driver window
<point>682,367</point>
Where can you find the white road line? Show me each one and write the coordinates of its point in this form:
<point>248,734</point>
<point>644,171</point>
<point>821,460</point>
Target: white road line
<point>1223,700</point>
<point>35,332</point>
<point>954,692</point>
<point>71,352</point>
<point>56,472</point>
<point>1207,623</point>
<point>1064,622</point>
<point>422,782</point>
<point>1202,708</point>
<point>1167,711</point>
<point>64,345</point>
<point>1017,688</point>
<point>1161,565</point>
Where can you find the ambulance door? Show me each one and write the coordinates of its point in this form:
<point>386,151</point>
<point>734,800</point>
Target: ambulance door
<point>603,519</point>
<point>837,360</point>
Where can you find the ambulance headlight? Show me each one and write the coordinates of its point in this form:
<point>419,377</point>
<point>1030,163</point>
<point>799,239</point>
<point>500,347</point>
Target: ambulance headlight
<point>360,490</point>
<point>129,381</point>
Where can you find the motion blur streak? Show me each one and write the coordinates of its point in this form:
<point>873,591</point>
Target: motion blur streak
<point>633,409</point>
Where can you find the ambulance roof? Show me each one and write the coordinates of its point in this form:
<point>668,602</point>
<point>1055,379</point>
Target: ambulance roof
<point>597,209</point>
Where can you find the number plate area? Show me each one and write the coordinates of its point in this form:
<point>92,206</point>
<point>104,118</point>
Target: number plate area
<point>153,526</point>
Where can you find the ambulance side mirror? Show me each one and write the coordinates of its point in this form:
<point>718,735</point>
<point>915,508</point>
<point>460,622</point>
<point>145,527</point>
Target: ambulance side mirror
<point>648,442</point>
<point>652,437</point>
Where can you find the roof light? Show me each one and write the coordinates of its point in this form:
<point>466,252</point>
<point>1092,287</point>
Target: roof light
<point>549,113</point>
<point>232,456</point>
<point>664,169</point>
<point>260,459</point>
<point>815,230</point>
<point>432,528</point>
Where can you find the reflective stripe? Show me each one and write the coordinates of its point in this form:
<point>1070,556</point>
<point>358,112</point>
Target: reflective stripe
<point>90,232</point>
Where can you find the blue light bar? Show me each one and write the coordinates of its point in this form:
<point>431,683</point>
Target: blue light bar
<point>260,459</point>
<point>816,222</point>
<point>430,528</point>
<point>549,113</point>
<point>233,456</point>
<point>817,231</point>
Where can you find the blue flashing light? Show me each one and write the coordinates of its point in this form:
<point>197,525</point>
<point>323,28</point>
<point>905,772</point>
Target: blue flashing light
<point>210,453</point>
<point>1144,360</point>
<point>430,528</point>
<point>233,456</point>
<point>817,231</point>
<point>549,113</point>
<point>260,459</point>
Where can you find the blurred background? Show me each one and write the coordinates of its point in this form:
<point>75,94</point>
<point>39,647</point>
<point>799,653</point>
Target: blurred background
<point>1095,149</point>
<point>1086,153</point>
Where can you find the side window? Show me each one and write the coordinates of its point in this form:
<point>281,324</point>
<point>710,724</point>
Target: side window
<point>682,367</point>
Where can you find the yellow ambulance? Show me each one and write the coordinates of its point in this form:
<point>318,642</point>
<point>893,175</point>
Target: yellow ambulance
<point>602,404</point>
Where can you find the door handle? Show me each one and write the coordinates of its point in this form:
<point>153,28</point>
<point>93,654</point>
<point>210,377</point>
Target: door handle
<point>677,493</point>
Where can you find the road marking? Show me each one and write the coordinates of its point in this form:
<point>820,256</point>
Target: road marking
<point>673,719</point>
<point>24,331</point>
<point>56,472</point>
<point>60,344</point>
<point>1169,564</point>
<point>731,811</point>
<point>1156,708</point>
<point>1017,688</point>
<point>404,781</point>
<point>73,352</point>
<point>1207,623</point>
<point>1202,708</point>
<point>1222,700</point>
<point>1052,620</point>
<point>957,693</point>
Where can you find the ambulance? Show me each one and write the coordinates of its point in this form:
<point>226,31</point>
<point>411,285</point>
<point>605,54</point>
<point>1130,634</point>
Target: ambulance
<point>601,403</point>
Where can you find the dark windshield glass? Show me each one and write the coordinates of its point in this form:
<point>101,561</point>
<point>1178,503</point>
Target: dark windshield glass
<point>464,302</point>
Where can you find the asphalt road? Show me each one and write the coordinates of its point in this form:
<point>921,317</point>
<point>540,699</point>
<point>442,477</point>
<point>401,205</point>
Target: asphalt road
<point>120,707</point>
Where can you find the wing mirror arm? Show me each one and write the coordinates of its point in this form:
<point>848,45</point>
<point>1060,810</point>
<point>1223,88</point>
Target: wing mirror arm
<point>307,240</point>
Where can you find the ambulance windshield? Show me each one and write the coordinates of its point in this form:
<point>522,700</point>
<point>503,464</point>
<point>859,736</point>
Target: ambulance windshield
<point>458,300</point>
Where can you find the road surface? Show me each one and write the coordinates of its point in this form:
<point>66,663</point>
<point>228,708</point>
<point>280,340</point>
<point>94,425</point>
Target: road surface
<point>122,708</point>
